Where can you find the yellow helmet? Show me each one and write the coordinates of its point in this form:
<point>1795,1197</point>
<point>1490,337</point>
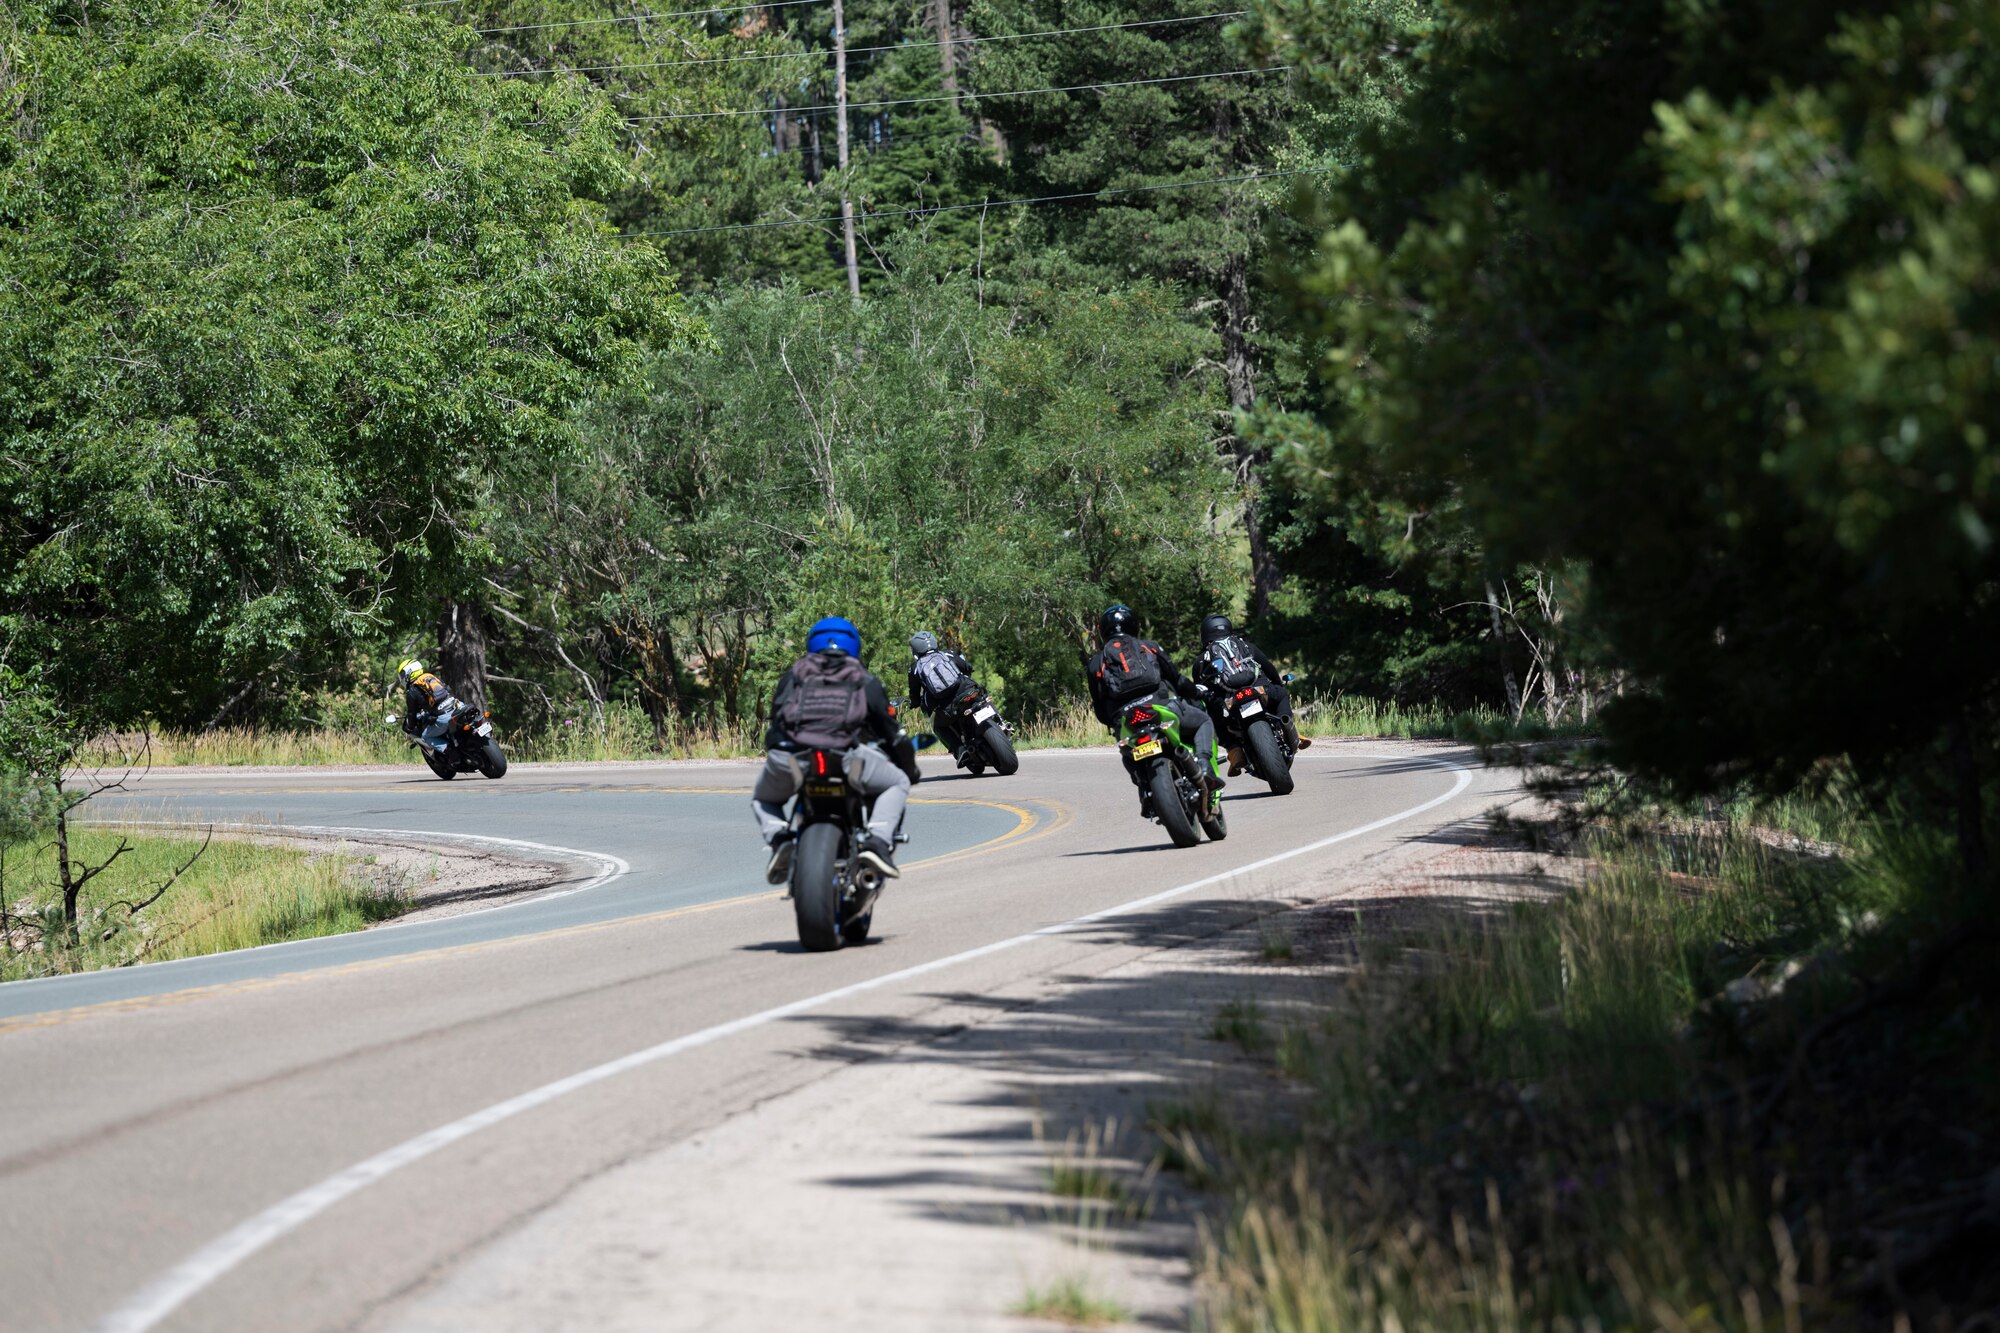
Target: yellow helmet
<point>409,669</point>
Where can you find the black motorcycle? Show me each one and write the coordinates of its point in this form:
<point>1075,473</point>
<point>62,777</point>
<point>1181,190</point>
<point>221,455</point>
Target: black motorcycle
<point>971,727</point>
<point>833,891</point>
<point>469,746</point>
<point>1244,722</point>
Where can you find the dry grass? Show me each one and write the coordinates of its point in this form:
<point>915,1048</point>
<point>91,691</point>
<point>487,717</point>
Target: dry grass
<point>236,895</point>
<point>1543,1120</point>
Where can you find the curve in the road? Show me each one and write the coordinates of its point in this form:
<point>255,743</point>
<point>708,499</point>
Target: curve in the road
<point>167,1293</point>
<point>671,877</point>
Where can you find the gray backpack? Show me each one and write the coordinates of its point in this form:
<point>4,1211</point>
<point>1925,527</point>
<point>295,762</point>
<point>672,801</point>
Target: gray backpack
<point>939,673</point>
<point>828,706</point>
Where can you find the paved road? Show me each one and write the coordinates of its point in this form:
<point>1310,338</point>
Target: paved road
<point>317,1135</point>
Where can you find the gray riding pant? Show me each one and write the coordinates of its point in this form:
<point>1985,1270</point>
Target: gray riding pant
<point>869,769</point>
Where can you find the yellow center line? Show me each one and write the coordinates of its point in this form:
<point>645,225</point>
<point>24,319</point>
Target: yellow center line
<point>1025,821</point>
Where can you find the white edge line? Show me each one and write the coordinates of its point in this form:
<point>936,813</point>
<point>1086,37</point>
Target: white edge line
<point>609,868</point>
<point>175,1287</point>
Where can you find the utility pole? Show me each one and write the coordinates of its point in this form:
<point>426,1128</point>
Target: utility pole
<point>840,103</point>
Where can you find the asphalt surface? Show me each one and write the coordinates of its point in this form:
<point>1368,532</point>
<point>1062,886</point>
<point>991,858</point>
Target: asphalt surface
<point>319,1135</point>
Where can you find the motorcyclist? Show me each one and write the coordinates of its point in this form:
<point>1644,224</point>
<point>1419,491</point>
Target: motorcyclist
<point>428,704</point>
<point>828,701</point>
<point>1129,670</point>
<point>938,676</point>
<point>1230,662</point>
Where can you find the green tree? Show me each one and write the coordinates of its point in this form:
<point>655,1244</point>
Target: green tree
<point>1722,329</point>
<point>284,290</point>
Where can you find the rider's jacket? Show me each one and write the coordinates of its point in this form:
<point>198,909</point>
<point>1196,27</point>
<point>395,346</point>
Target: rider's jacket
<point>929,673</point>
<point>1209,667</point>
<point>422,698</point>
<point>1110,708</point>
<point>874,722</point>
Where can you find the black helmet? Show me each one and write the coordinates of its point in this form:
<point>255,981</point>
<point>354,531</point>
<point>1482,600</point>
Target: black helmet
<point>1215,627</point>
<point>923,642</point>
<point>1117,619</point>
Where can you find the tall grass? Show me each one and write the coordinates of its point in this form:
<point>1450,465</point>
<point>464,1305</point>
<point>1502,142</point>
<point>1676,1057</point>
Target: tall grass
<point>235,896</point>
<point>625,733</point>
<point>1537,1118</point>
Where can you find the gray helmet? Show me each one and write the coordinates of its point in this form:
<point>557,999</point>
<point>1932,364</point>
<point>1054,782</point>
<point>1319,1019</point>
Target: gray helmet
<point>922,642</point>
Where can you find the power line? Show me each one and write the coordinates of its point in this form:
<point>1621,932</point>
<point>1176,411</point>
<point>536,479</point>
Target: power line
<point>953,97</point>
<point>641,18</point>
<point>863,50</point>
<point>984,203</point>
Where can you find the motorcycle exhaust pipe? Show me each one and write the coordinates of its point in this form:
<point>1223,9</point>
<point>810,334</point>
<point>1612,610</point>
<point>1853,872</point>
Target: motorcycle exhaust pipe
<point>868,880</point>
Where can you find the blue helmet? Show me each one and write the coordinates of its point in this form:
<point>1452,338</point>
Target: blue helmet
<point>834,632</point>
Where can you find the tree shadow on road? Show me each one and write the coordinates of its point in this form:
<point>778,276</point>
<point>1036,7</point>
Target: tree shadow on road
<point>1073,1066</point>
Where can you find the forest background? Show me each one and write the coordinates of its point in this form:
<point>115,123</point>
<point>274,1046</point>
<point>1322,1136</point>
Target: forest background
<point>1620,365</point>
<point>517,336</point>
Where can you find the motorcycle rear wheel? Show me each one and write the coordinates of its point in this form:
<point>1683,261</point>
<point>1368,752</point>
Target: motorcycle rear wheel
<point>492,760</point>
<point>1001,747</point>
<point>439,765</point>
<point>1168,806</point>
<point>1268,757</point>
<point>815,896</point>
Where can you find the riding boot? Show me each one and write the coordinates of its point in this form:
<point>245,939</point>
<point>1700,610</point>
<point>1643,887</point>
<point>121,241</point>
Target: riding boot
<point>1237,762</point>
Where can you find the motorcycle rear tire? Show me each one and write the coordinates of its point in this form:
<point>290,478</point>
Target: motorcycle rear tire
<point>815,897</point>
<point>1001,747</point>
<point>1167,805</point>
<point>439,765</point>
<point>492,760</point>
<point>1268,757</point>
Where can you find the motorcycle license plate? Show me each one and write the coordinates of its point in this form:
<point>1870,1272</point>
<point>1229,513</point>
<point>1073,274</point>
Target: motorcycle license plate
<point>982,714</point>
<point>1147,748</point>
<point>1251,708</point>
<point>825,790</point>
<point>484,728</point>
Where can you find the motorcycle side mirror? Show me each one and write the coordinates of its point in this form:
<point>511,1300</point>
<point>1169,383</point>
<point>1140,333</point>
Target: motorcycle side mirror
<point>1289,678</point>
<point>924,739</point>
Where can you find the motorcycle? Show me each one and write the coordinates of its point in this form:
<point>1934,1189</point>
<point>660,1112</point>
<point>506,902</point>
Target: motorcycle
<point>1245,723</point>
<point>468,747</point>
<point>982,736</point>
<point>833,891</point>
<point>1170,776</point>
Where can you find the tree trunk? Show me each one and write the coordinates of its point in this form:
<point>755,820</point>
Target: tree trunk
<point>947,53</point>
<point>1239,374</point>
<point>462,651</point>
<point>71,885</point>
<point>1514,702</point>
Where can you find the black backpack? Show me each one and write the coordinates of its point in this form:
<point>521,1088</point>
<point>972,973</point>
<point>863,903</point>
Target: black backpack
<point>1128,668</point>
<point>1232,661</point>
<point>828,705</point>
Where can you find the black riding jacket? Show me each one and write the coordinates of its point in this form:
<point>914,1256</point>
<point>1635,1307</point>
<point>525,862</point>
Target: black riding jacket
<point>1204,669</point>
<point>422,698</point>
<point>1107,708</point>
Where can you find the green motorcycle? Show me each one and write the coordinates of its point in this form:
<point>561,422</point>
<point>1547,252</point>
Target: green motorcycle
<point>1170,775</point>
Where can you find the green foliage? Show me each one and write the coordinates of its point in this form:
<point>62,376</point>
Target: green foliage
<point>282,289</point>
<point>1721,330</point>
<point>996,473</point>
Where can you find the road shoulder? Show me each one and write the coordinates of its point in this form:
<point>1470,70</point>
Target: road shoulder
<point>994,1153</point>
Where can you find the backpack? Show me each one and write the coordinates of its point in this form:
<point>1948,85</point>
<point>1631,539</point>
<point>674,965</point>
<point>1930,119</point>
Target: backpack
<point>1232,661</point>
<point>1129,668</point>
<point>828,705</point>
<point>939,673</point>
